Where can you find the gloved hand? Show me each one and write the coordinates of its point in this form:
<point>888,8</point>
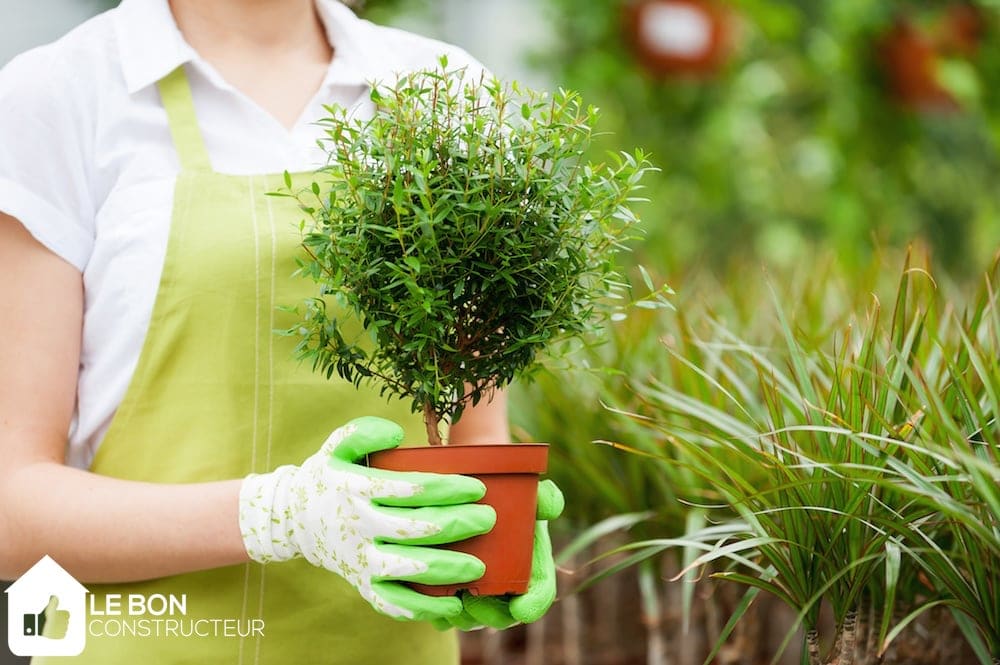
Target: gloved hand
<point>505,611</point>
<point>368,525</point>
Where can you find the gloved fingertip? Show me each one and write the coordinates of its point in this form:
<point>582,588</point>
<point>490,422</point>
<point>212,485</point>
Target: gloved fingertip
<point>364,435</point>
<point>439,609</point>
<point>475,568</point>
<point>551,501</point>
<point>529,614</point>
<point>441,625</point>
<point>492,611</point>
<point>375,424</point>
<point>453,610</point>
<point>477,487</point>
<point>531,607</point>
<point>382,432</point>
<point>462,488</point>
<point>489,515</point>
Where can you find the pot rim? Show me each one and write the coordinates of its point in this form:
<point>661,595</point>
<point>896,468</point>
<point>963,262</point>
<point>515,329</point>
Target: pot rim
<point>478,459</point>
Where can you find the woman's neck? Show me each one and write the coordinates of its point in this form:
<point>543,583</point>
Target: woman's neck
<point>274,51</point>
<point>263,27</point>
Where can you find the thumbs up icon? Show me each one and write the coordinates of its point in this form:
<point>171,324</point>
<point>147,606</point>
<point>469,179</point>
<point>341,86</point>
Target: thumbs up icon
<point>51,622</point>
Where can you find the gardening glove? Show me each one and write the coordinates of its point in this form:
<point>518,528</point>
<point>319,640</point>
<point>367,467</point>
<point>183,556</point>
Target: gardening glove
<point>368,525</point>
<point>504,611</point>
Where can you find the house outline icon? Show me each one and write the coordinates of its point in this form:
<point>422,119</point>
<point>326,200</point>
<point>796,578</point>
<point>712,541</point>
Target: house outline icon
<point>30,595</point>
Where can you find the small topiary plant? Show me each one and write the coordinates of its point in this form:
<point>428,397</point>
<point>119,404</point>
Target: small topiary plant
<point>462,226</point>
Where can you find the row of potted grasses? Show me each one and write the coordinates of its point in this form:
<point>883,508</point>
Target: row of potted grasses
<point>830,441</point>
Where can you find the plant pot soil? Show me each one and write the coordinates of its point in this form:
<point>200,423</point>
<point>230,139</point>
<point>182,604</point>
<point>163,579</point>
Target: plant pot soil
<point>510,473</point>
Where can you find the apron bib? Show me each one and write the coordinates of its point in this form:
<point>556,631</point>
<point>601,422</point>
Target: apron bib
<point>216,395</point>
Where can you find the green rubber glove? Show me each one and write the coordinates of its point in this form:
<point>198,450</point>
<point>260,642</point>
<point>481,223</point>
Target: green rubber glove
<point>504,611</point>
<point>368,525</point>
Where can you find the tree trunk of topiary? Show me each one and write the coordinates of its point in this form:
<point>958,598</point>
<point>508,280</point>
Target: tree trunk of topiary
<point>432,424</point>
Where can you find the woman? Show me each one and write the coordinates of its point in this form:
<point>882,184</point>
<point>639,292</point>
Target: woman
<point>142,268</point>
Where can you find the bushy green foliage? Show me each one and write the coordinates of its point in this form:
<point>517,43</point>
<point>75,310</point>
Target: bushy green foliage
<point>464,227</point>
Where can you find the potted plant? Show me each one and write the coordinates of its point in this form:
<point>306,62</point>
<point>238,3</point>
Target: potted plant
<point>463,227</point>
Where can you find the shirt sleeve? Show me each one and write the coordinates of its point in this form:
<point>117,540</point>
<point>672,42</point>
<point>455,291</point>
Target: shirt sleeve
<point>45,171</point>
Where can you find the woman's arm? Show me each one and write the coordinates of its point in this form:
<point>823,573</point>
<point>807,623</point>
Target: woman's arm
<point>100,529</point>
<point>484,423</point>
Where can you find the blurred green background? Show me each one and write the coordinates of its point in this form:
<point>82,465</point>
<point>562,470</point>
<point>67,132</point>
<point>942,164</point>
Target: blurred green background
<point>852,125</point>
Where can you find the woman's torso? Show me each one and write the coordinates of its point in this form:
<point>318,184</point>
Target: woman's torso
<point>95,91</point>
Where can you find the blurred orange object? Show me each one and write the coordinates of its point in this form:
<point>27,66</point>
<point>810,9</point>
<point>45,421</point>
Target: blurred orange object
<point>679,37</point>
<point>909,59</point>
<point>960,30</point>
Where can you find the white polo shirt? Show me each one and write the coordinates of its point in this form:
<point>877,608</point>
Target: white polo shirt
<point>88,166</point>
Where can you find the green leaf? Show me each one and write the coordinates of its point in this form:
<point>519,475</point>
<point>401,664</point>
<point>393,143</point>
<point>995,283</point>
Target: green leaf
<point>413,262</point>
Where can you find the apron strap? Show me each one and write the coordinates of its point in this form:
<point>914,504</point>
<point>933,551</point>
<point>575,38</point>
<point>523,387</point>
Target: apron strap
<point>175,93</point>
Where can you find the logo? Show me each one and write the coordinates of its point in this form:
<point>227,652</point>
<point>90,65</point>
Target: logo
<point>52,614</point>
<point>47,612</point>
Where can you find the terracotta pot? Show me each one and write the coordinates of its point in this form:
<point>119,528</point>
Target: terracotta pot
<point>510,473</point>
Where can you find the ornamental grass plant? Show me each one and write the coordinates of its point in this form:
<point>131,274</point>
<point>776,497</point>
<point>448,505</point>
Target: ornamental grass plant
<point>464,228</point>
<point>855,471</point>
<point>827,438</point>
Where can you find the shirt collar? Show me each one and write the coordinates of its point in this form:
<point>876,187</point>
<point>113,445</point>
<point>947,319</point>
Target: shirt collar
<point>151,45</point>
<point>351,64</point>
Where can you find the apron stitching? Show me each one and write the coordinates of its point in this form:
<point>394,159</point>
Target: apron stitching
<point>246,585</point>
<point>256,340</point>
<point>270,396</point>
<point>270,338</point>
<point>260,611</point>
<point>270,381</point>
<point>256,382</point>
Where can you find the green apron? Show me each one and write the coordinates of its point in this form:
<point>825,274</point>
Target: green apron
<point>216,394</point>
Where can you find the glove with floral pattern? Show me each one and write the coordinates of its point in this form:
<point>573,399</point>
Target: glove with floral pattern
<point>368,525</point>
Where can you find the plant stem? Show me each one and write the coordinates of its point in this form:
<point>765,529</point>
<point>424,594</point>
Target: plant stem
<point>431,423</point>
<point>812,646</point>
<point>847,639</point>
<point>652,613</point>
<point>572,624</point>
<point>868,645</point>
<point>891,652</point>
